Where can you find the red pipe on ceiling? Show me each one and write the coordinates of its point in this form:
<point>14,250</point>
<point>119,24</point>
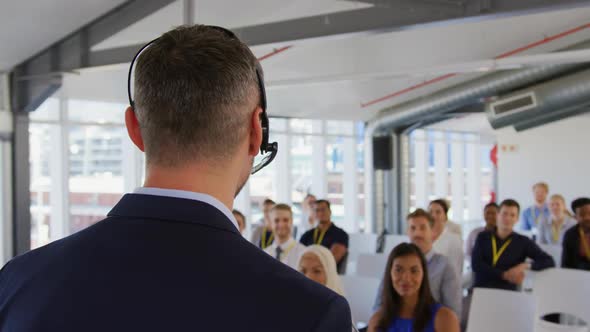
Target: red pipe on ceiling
<point>503,55</point>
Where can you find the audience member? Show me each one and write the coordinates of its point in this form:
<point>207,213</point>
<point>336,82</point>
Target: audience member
<point>284,246</point>
<point>439,209</point>
<point>447,241</point>
<point>241,219</point>
<point>307,216</point>
<point>533,214</point>
<point>490,212</point>
<point>262,235</point>
<point>576,241</point>
<point>498,258</point>
<point>327,234</point>
<point>318,264</point>
<point>407,302</point>
<point>445,283</point>
<point>551,230</point>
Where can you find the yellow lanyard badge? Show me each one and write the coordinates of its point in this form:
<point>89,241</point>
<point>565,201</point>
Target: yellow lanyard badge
<point>495,253</point>
<point>584,243</point>
<point>265,243</point>
<point>315,236</point>
<point>555,231</point>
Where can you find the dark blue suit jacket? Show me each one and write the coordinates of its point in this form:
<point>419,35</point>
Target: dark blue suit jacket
<point>162,264</point>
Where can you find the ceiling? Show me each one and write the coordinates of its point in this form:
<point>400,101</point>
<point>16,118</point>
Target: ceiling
<point>42,22</point>
<point>328,78</point>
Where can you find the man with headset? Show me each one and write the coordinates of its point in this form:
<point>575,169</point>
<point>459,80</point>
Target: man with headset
<point>169,257</point>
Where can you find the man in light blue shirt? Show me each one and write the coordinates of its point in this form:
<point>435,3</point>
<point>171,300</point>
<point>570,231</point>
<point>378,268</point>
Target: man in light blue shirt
<point>539,211</point>
<point>445,283</point>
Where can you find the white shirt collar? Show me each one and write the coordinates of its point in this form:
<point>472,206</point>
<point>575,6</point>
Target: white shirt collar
<point>189,195</point>
<point>283,246</point>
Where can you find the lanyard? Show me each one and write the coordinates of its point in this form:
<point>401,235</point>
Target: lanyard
<point>584,243</point>
<point>315,236</point>
<point>495,253</point>
<point>263,242</point>
<point>555,230</point>
<point>536,215</point>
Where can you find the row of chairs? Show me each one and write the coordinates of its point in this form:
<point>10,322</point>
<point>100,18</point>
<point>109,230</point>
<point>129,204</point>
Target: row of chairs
<point>563,291</point>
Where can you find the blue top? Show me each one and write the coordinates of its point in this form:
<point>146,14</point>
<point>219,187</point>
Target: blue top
<point>407,324</point>
<point>532,215</point>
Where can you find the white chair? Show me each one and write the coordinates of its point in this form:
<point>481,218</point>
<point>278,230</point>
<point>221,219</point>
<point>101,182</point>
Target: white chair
<point>371,265</point>
<point>361,293</point>
<point>554,251</point>
<point>391,241</point>
<point>562,291</point>
<point>362,243</point>
<point>495,310</point>
<point>359,243</point>
<point>543,326</point>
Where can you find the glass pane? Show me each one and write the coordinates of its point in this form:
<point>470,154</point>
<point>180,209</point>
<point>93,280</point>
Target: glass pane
<point>335,168</point>
<point>48,111</point>
<point>96,111</point>
<point>42,138</point>
<point>301,126</point>
<point>261,188</point>
<point>334,127</point>
<point>301,166</point>
<point>334,154</point>
<point>278,124</point>
<point>96,168</point>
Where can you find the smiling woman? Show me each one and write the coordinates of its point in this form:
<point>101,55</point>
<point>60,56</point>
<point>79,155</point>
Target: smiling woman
<point>407,302</point>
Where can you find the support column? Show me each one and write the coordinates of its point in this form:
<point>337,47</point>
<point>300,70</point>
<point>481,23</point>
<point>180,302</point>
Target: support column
<point>457,177</point>
<point>350,185</point>
<point>21,185</point>
<point>420,168</point>
<point>441,165</point>
<point>473,178</point>
<point>282,175</point>
<point>319,181</point>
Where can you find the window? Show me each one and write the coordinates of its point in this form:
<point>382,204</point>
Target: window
<point>95,173</point>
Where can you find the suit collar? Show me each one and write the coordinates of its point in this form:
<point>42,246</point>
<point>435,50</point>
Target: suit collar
<point>172,209</point>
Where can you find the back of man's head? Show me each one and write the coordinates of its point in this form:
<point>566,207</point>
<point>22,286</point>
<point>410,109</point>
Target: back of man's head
<point>195,91</point>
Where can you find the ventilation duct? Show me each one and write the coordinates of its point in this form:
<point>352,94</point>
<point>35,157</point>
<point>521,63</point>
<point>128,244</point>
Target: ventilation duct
<point>446,100</point>
<point>541,100</point>
<point>552,116</point>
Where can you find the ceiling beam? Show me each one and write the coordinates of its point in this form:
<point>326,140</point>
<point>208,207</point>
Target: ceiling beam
<point>35,78</point>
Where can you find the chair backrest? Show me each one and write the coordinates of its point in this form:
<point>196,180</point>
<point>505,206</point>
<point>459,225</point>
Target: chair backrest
<point>362,243</point>
<point>495,310</point>
<point>361,293</point>
<point>554,251</point>
<point>371,265</point>
<point>392,240</point>
<point>544,326</point>
<point>562,291</point>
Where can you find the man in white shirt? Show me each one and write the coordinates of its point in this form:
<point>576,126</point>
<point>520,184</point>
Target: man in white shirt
<point>284,246</point>
<point>447,241</point>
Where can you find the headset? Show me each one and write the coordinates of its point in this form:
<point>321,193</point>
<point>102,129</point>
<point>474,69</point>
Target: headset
<point>267,149</point>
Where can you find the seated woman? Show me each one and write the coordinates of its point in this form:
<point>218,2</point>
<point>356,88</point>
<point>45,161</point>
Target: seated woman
<point>318,264</point>
<point>407,304</point>
<point>552,229</point>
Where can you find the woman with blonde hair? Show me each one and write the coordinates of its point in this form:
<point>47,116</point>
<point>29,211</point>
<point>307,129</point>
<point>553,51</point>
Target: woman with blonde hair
<point>552,228</point>
<point>318,264</point>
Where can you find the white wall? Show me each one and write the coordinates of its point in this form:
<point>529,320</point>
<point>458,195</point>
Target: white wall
<point>557,153</point>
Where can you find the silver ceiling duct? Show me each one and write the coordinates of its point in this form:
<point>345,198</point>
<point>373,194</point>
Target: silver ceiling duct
<point>552,116</point>
<point>446,100</point>
<point>567,92</point>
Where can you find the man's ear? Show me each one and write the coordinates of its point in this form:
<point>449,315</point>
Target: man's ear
<point>133,128</point>
<point>255,132</point>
